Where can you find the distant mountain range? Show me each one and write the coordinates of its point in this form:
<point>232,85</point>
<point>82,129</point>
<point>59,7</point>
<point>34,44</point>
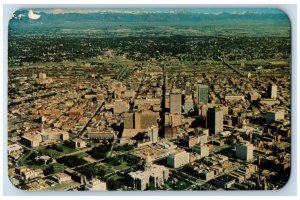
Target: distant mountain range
<point>113,19</point>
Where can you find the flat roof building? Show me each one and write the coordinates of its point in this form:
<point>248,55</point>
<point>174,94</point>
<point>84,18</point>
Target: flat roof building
<point>61,177</point>
<point>272,91</point>
<point>178,159</point>
<point>201,149</point>
<point>202,94</point>
<point>175,103</point>
<point>244,151</point>
<point>95,185</point>
<point>274,115</point>
<point>188,104</point>
<point>215,120</point>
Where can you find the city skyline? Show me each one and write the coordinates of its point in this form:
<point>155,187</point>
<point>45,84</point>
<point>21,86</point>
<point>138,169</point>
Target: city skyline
<point>149,99</point>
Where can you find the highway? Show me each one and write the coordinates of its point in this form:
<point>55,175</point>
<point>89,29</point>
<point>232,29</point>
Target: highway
<point>231,67</point>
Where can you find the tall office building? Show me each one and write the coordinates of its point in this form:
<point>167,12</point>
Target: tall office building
<point>272,91</point>
<point>129,120</point>
<point>188,89</point>
<point>153,134</point>
<point>244,151</point>
<point>170,132</point>
<point>202,94</point>
<point>201,149</point>
<point>175,103</point>
<point>188,104</point>
<point>202,110</point>
<point>137,120</point>
<point>141,120</point>
<point>147,119</point>
<point>215,120</point>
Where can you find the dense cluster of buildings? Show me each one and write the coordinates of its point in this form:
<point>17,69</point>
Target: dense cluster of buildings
<point>210,126</point>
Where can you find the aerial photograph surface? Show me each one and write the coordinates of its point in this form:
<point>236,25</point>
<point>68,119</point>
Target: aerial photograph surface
<point>147,99</point>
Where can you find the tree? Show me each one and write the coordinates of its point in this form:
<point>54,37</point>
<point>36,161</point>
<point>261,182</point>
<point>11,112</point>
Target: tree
<point>71,161</point>
<point>131,160</point>
<point>90,171</point>
<point>54,169</point>
<point>115,161</point>
<point>114,184</point>
<point>69,144</point>
<point>100,151</point>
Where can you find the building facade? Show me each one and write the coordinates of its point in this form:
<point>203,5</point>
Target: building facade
<point>178,159</point>
<point>202,94</point>
<point>272,91</point>
<point>274,115</point>
<point>188,104</point>
<point>95,185</point>
<point>244,151</point>
<point>201,149</point>
<point>175,103</point>
<point>215,120</point>
<point>152,174</point>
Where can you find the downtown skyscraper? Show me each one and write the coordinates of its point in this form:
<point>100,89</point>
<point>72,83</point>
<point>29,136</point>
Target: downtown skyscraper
<point>215,120</point>
<point>202,94</point>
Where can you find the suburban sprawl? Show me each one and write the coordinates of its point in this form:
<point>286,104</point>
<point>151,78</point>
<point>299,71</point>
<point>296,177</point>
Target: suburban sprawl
<point>161,111</point>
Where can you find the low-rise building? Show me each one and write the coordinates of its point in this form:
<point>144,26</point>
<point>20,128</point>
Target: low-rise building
<point>224,181</point>
<point>120,106</point>
<point>78,143</point>
<point>254,96</point>
<point>36,185</point>
<point>178,159</point>
<point>95,185</point>
<point>61,177</point>
<point>100,134</point>
<point>234,97</point>
<point>32,139</point>
<point>189,141</point>
<point>14,148</point>
<point>207,175</point>
<point>54,134</point>
<point>201,149</point>
<point>28,173</point>
<point>274,115</point>
<point>35,138</point>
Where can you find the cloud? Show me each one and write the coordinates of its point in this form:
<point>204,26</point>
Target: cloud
<point>32,15</point>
